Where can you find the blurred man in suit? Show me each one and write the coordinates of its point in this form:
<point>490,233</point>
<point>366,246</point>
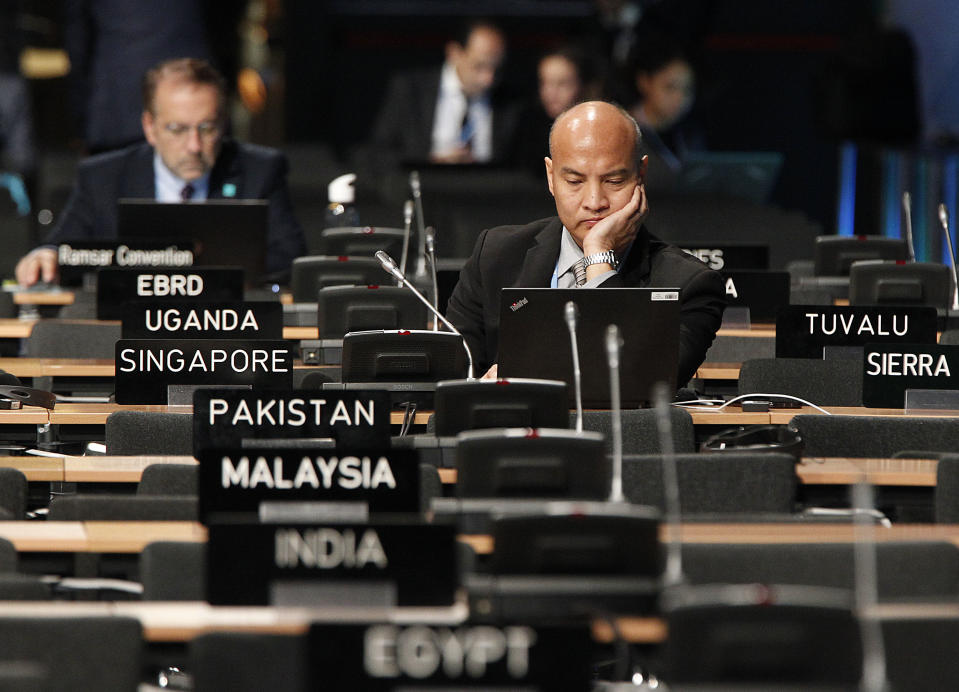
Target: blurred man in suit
<point>186,158</point>
<point>597,239</point>
<point>454,113</point>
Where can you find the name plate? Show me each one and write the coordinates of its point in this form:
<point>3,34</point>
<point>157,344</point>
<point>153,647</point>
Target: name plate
<point>202,320</point>
<point>357,419</point>
<point>890,369</point>
<point>211,284</point>
<point>249,564</point>
<point>802,331</point>
<point>80,257</point>
<point>145,367</point>
<point>234,482</point>
<point>382,657</point>
<point>720,257</point>
<point>763,292</point>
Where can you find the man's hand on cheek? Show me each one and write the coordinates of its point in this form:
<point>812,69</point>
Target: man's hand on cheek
<point>617,230</point>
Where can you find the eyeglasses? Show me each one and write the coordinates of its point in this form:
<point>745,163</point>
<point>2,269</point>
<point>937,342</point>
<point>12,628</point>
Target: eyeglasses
<point>205,130</point>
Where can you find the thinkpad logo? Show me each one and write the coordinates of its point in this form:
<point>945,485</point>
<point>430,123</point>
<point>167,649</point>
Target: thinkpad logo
<point>518,304</point>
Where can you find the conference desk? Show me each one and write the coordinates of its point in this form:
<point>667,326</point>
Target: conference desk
<point>15,328</point>
<point>809,471</point>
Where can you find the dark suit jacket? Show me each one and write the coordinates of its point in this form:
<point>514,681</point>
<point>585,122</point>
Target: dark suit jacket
<point>525,256</point>
<point>404,127</point>
<point>256,172</point>
<point>111,44</point>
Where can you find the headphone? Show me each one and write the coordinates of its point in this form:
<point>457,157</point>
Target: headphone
<point>757,438</point>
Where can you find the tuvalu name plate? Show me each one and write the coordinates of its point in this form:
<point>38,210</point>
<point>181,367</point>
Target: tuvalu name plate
<point>890,369</point>
<point>387,656</point>
<point>202,320</point>
<point>146,367</point>
<point>212,284</point>
<point>268,564</point>
<point>803,331</point>
<point>234,482</point>
<point>355,420</point>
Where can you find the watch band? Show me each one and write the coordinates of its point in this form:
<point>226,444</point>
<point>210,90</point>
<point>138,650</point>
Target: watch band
<point>607,257</point>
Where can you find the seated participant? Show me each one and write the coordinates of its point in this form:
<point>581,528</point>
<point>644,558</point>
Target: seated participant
<point>598,240</point>
<point>186,157</point>
<point>452,114</point>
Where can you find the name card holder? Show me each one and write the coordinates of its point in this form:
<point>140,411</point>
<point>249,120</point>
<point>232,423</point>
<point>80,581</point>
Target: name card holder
<point>929,400</point>
<point>387,656</point>
<point>118,286</point>
<point>803,331</point>
<point>259,564</point>
<point>145,368</point>
<point>235,484</point>
<point>357,420</point>
<point>892,370</point>
<point>202,320</point>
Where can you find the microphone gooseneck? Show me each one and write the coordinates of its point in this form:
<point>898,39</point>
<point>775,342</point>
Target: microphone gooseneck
<point>674,546</point>
<point>431,255</point>
<point>865,586</point>
<point>907,213</point>
<point>571,314</point>
<point>613,344</point>
<point>407,227</point>
<point>944,221</point>
<point>389,265</point>
<point>420,225</point>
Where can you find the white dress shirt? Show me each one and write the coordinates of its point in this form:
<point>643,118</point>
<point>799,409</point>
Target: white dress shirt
<point>569,254</point>
<point>451,108</point>
<point>168,186</point>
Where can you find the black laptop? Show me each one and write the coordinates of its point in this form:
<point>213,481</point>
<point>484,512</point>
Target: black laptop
<point>534,339</point>
<point>225,232</point>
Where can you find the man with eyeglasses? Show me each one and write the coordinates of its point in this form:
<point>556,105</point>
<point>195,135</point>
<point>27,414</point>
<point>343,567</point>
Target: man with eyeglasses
<point>186,157</point>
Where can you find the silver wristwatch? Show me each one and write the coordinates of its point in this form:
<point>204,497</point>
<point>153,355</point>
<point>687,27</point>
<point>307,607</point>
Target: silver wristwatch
<point>607,257</point>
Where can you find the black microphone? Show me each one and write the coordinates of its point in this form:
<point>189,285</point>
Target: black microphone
<point>407,227</point>
<point>907,211</point>
<point>571,314</point>
<point>944,220</point>
<point>390,266</point>
<point>613,345</point>
<point>420,223</point>
<point>431,255</point>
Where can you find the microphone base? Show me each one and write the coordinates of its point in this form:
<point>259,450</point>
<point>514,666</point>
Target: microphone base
<point>419,393</point>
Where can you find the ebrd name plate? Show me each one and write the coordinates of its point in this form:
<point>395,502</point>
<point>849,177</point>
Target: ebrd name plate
<point>890,369</point>
<point>387,656</point>
<point>146,367</point>
<point>248,562</point>
<point>116,286</point>
<point>202,320</point>
<point>802,331</point>
<point>357,420</point>
<point>233,482</point>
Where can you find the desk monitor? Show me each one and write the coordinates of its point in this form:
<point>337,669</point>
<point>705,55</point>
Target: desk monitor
<point>225,232</point>
<point>534,340</point>
<point>763,292</point>
<point>310,274</point>
<point>834,255</point>
<point>749,175</point>
<point>402,356</point>
<point>342,309</point>
<point>578,543</point>
<point>532,463</point>
<point>879,282</point>
<point>506,403</point>
<point>357,241</point>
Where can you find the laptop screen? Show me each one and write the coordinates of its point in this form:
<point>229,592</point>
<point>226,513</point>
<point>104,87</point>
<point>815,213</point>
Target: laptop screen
<point>534,339</point>
<point>224,232</point>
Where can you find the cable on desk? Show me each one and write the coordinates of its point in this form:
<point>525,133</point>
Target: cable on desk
<point>741,397</point>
